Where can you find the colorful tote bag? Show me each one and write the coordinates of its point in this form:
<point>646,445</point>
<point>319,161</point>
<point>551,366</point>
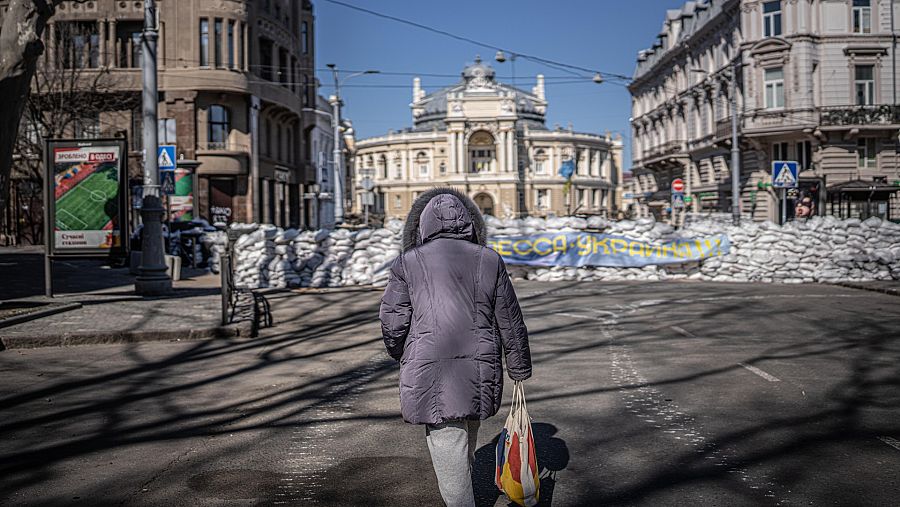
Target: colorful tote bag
<point>517,469</point>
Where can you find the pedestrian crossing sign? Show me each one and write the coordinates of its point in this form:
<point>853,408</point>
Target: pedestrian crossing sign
<point>166,158</point>
<point>784,174</point>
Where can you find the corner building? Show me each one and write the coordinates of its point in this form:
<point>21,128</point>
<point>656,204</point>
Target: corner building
<point>234,79</point>
<point>816,84</point>
<point>489,139</point>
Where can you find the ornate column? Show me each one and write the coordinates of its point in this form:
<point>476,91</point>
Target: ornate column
<point>52,55</point>
<point>113,45</point>
<point>513,151</point>
<point>461,153</point>
<point>451,151</point>
<point>101,31</point>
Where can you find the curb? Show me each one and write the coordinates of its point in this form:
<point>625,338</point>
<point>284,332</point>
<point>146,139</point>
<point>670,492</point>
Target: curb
<point>53,309</point>
<point>239,330</point>
<point>890,291</point>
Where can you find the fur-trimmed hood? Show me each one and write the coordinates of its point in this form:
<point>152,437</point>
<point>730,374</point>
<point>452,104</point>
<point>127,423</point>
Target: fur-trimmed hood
<point>412,233</point>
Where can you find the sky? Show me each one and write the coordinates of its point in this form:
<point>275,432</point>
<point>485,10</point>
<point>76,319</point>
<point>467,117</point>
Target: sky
<point>599,35</point>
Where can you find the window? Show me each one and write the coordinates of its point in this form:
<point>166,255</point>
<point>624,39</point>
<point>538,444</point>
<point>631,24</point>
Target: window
<point>80,44</point>
<point>398,172</point>
<point>542,198</point>
<point>804,155</point>
<point>481,152</point>
<point>278,145</point>
<point>219,126</point>
<point>241,47</point>
<point>283,66</point>
<point>268,129</point>
<point>398,201</point>
<point>204,42</point>
<point>780,151</point>
<point>774,88</point>
<point>862,16</point>
<point>137,129</point>
<point>230,35</point>
<point>422,163</point>
<point>540,162</point>
<point>865,85</point>
<point>265,59</point>
<point>87,127</point>
<point>217,44</point>
<point>582,198</point>
<point>304,37</point>
<point>443,168</point>
<point>772,19</point>
<point>305,93</point>
<point>865,151</point>
<point>596,198</point>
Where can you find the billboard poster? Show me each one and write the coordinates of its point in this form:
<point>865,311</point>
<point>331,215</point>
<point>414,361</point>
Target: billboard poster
<point>86,196</point>
<point>181,203</point>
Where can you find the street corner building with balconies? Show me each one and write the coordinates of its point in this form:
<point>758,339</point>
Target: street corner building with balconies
<point>489,140</point>
<point>237,93</point>
<point>816,83</point>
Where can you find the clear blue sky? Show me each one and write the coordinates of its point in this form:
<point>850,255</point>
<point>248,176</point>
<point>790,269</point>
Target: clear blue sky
<point>596,34</point>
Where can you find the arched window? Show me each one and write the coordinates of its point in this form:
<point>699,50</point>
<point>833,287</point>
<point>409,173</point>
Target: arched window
<point>422,163</point>
<point>219,121</point>
<point>481,152</point>
<point>540,162</point>
<point>443,168</point>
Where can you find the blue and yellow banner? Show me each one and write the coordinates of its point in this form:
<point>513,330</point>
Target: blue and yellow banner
<point>578,249</point>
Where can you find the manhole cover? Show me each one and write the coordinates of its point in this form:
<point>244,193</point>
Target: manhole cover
<point>230,484</point>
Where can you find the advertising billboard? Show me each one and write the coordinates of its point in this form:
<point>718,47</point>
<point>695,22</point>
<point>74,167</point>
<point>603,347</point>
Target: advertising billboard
<point>181,202</point>
<point>86,196</point>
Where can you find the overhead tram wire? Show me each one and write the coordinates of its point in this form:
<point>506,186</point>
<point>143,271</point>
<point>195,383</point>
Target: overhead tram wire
<point>566,67</point>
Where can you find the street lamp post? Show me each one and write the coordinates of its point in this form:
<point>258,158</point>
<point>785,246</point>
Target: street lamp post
<point>152,280</point>
<point>336,124</point>
<point>735,149</point>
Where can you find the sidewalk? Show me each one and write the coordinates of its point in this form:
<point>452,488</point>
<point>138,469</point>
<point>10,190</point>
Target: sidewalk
<point>109,312</point>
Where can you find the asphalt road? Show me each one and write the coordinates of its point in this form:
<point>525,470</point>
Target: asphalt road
<point>643,394</point>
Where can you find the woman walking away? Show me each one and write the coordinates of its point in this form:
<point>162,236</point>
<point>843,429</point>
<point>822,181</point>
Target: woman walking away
<point>448,313</point>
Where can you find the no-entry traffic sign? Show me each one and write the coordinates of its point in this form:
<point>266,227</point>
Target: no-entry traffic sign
<point>678,185</point>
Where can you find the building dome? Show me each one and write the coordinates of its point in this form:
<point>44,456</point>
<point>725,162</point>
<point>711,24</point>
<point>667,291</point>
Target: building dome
<point>479,75</point>
<point>430,111</point>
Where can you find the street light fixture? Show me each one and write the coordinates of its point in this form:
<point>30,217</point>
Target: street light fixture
<point>336,124</point>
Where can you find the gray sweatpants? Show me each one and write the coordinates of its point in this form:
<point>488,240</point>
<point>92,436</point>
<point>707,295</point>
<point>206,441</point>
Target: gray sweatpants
<point>452,445</point>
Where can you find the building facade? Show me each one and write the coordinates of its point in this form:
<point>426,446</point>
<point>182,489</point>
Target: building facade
<point>235,78</point>
<point>489,139</point>
<point>816,83</point>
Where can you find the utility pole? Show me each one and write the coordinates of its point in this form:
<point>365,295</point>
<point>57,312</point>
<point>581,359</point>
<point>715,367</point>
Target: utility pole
<point>152,280</point>
<point>735,149</point>
<point>336,123</point>
<point>338,169</point>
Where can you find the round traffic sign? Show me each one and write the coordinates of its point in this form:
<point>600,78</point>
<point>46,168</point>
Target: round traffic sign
<point>678,185</point>
<point>368,184</point>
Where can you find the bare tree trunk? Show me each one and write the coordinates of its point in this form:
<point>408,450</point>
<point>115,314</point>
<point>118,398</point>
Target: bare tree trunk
<point>20,46</point>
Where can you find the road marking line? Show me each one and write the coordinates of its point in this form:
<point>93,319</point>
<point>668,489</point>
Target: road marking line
<point>893,442</point>
<point>761,373</point>
<point>683,332</point>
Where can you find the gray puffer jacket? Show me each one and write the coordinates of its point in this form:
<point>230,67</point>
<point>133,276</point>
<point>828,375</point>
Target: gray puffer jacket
<point>448,313</point>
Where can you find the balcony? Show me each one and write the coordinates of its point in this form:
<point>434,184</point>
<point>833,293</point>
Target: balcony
<point>838,116</point>
<point>227,146</point>
<point>663,150</point>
